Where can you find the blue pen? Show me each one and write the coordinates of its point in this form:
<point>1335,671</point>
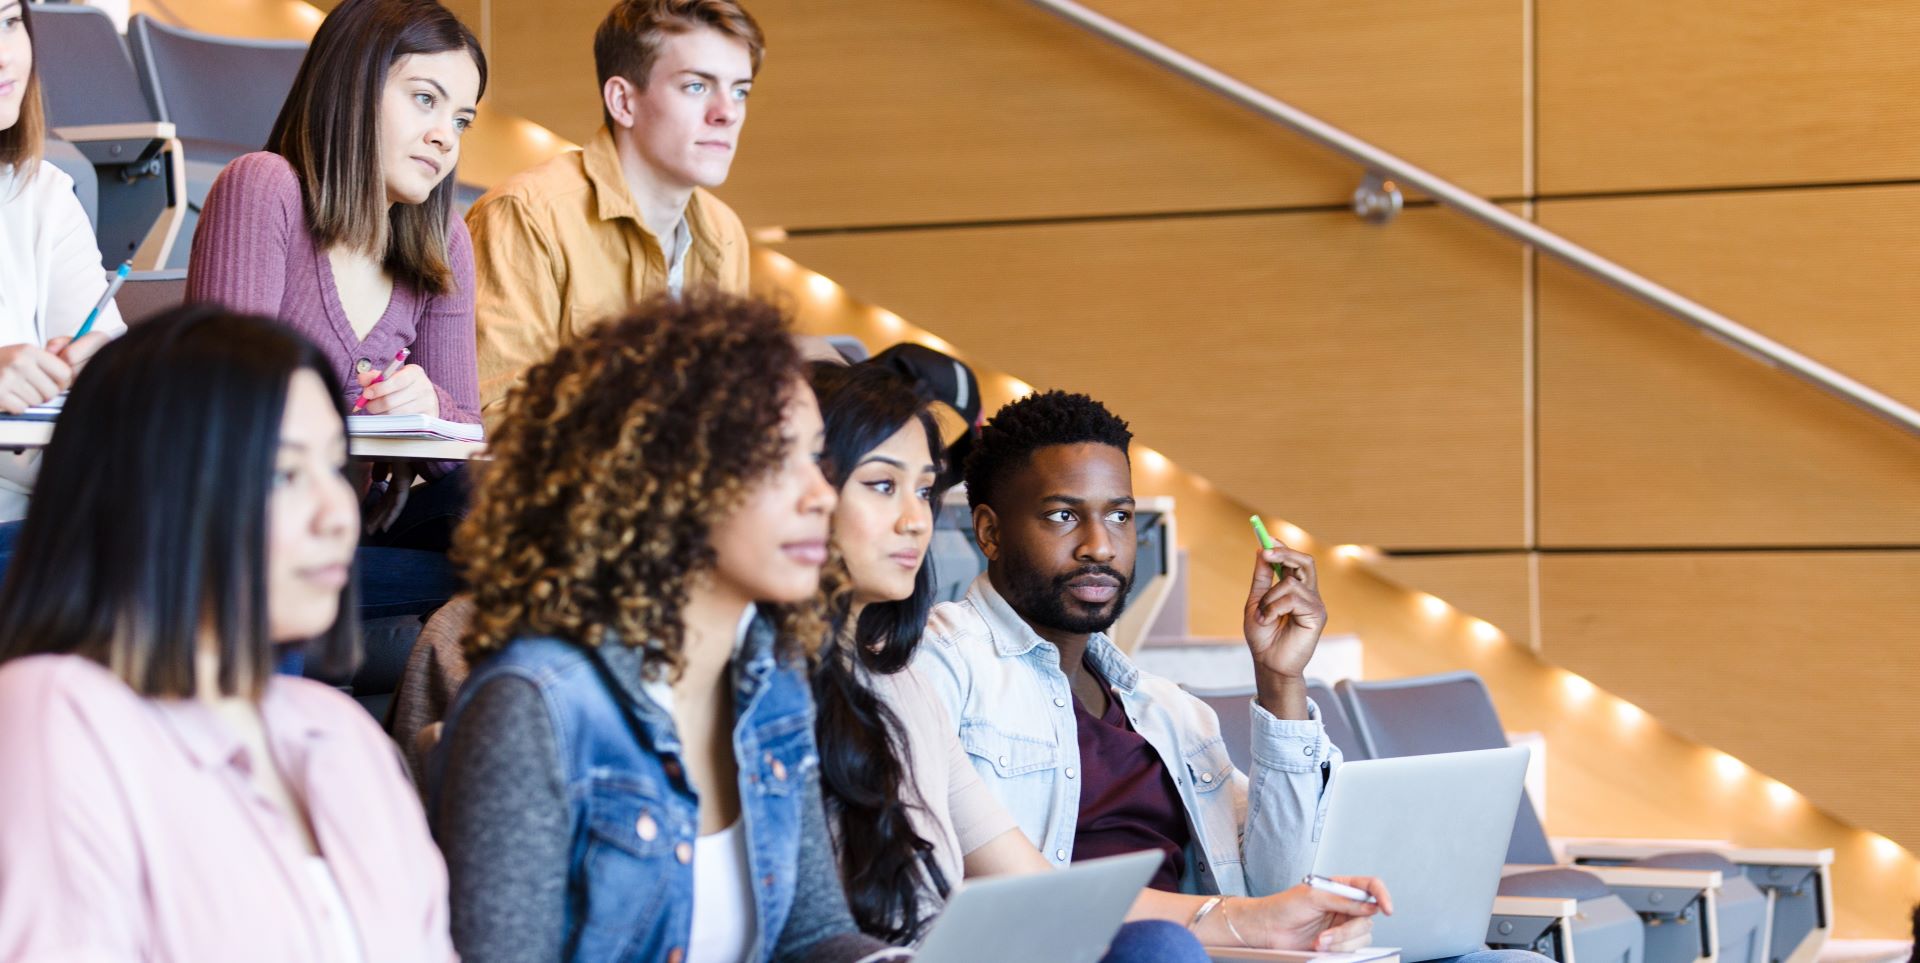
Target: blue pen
<point>113,287</point>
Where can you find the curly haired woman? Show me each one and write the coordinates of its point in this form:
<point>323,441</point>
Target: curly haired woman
<point>630,771</point>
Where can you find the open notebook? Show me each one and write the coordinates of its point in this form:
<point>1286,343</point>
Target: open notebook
<point>411,426</point>
<point>358,426</point>
<point>47,412</point>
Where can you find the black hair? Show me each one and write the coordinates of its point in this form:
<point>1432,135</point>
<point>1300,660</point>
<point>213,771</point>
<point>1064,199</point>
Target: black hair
<point>148,524</point>
<point>863,769</point>
<point>1915,956</point>
<point>1043,420</point>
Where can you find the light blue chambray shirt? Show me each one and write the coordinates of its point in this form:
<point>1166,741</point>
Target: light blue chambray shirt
<point>1003,684</point>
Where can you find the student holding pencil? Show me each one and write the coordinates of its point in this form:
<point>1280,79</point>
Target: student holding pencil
<point>50,277</point>
<point>343,228</point>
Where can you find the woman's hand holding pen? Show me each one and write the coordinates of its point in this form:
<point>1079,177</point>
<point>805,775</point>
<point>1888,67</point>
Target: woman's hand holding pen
<point>408,392</point>
<point>76,353</point>
<point>31,375</point>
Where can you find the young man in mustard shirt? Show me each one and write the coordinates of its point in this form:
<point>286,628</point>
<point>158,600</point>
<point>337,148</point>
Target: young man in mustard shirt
<point>577,240</point>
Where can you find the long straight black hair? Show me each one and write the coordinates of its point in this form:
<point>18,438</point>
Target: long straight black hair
<point>863,772</point>
<point>148,524</point>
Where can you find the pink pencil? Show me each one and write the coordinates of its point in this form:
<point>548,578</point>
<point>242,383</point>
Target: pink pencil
<point>399,359</point>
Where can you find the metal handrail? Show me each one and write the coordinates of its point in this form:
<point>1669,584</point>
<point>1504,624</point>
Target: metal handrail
<point>1730,332</point>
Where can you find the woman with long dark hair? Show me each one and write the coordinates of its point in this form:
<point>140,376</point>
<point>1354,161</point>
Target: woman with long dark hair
<point>165,796</point>
<point>910,813</point>
<point>882,456</point>
<point>344,229</point>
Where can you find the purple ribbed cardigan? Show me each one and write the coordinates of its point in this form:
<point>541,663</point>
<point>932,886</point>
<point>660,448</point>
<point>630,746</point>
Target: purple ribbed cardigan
<point>253,252</point>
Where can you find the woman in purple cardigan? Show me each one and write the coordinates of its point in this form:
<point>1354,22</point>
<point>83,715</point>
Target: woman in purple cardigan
<point>343,228</point>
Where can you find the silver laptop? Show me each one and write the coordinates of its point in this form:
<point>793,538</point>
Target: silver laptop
<point>1434,829</point>
<point>1065,916</point>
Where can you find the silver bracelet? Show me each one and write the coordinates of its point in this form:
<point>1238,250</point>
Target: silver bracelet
<point>1227,918</point>
<point>1205,908</point>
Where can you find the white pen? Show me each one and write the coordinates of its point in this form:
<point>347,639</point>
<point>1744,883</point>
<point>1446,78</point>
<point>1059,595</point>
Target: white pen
<point>1326,885</point>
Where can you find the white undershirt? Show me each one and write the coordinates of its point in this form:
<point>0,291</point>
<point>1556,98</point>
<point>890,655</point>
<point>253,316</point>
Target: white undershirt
<point>723,915</point>
<point>343,941</point>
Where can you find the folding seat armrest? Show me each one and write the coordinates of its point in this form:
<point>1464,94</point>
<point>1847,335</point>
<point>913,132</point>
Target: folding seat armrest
<point>1678,895</point>
<point>1604,850</point>
<point>1787,876</point>
<point>143,205</point>
<point>133,143</point>
<point>1541,924</point>
<point>1696,880</point>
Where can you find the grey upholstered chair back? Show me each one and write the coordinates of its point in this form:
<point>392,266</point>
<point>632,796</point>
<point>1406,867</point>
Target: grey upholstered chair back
<point>219,89</point>
<point>148,293</point>
<point>85,73</point>
<point>86,183</point>
<point>1333,715</point>
<point>1451,712</point>
<point>851,348</point>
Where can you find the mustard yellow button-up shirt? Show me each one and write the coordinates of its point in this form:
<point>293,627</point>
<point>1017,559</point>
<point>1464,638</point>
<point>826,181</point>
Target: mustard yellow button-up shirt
<point>560,247</point>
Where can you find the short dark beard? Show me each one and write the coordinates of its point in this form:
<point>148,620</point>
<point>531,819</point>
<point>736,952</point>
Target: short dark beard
<point>1045,603</point>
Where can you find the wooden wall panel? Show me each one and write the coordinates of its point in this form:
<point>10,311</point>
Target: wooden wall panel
<point>1363,383</point>
<point>1651,434</point>
<point>1610,772</point>
<point>1496,588</point>
<point>1618,772</point>
<point>883,112</point>
<point>1638,94</point>
<point>251,19</point>
<point>1805,665</point>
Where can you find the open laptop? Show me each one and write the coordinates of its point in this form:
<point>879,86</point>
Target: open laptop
<point>1065,916</point>
<point>1434,829</point>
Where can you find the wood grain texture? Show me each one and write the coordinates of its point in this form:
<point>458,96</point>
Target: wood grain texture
<point>1638,94</point>
<point>884,112</point>
<point>1651,434</point>
<point>1492,587</point>
<point>251,19</point>
<point>1802,664</point>
<point>1608,774</point>
<point>1363,383</point>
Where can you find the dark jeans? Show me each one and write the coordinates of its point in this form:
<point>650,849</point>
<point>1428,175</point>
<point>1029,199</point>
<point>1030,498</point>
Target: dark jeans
<point>427,521</point>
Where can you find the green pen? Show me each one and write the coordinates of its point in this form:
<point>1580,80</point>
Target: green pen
<point>1267,542</point>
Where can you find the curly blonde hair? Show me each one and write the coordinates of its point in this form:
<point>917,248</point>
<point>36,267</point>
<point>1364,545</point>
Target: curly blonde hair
<point>610,466</point>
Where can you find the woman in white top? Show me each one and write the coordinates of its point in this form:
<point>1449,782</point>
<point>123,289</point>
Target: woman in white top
<point>50,274</point>
<point>909,814</point>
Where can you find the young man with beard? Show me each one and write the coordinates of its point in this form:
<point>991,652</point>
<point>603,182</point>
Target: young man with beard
<point>1093,756</point>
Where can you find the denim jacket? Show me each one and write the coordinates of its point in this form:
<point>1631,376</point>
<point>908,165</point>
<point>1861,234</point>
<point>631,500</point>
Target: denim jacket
<point>634,817</point>
<point>1003,684</point>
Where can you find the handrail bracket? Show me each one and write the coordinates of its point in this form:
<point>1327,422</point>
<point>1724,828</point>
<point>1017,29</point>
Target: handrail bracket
<point>1377,200</point>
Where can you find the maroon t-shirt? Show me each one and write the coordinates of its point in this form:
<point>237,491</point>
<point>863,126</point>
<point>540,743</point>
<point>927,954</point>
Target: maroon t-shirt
<point>1127,798</point>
